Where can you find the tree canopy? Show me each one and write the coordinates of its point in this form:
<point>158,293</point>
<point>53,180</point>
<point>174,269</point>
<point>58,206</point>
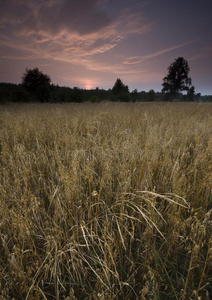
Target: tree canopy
<point>120,91</point>
<point>38,83</point>
<point>33,79</point>
<point>37,86</point>
<point>177,79</point>
<point>119,88</point>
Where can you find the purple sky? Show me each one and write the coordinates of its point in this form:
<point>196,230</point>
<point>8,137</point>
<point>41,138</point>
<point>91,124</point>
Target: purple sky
<point>91,43</point>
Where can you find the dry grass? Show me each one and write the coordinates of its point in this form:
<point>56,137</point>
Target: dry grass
<point>106,201</point>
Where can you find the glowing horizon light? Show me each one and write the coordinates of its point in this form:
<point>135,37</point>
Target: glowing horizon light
<point>88,84</point>
<point>93,46</point>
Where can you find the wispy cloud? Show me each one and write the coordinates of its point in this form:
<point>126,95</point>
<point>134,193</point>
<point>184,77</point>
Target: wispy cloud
<point>101,40</point>
<point>138,59</point>
<point>68,31</point>
<point>66,28</point>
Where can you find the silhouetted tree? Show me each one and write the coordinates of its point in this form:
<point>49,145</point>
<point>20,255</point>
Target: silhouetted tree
<point>10,92</point>
<point>37,83</point>
<point>134,95</point>
<point>151,95</point>
<point>197,97</point>
<point>120,91</point>
<point>119,87</point>
<point>177,79</point>
<point>191,94</point>
<point>77,95</point>
<point>19,94</point>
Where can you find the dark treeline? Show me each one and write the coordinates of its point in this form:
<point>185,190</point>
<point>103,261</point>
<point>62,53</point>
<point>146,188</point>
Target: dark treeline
<point>55,94</point>
<point>37,87</point>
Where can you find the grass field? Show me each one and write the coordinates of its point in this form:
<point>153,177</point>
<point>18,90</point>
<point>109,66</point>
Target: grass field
<point>106,201</point>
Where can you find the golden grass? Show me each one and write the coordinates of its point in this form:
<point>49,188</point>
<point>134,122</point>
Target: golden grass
<point>106,201</point>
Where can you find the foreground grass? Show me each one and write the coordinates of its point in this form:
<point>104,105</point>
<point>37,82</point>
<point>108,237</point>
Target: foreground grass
<point>106,201</point>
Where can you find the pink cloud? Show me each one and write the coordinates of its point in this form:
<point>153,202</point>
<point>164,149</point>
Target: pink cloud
<point>138,59</point>
<point>51,30</point>
<point>35,37</point>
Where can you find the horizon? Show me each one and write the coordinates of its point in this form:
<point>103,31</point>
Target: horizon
<point>107,89</point>
<point>89,44</point>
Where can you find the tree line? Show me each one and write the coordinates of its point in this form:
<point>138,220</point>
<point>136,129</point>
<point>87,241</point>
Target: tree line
<point>37,87</point>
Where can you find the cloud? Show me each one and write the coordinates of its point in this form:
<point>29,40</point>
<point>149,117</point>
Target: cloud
<point>195,57</point>
<point>83,35</point>
<point>80,16</point>
<point>64,30</point>
<point>138,59</point>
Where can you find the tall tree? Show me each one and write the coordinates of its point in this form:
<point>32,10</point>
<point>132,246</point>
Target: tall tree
<point>119,88</point>
<point>177,79</point>
<point>37,83</point>
<point>120,91</point>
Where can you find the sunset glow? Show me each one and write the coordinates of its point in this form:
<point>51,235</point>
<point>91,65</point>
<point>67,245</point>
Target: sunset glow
<point>92,43</point>
<point>88,85</point>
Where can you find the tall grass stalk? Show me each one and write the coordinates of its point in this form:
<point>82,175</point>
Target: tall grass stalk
<point>106,201</point>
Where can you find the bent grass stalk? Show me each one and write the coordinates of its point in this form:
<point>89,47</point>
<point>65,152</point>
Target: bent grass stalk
<point>105,201</point>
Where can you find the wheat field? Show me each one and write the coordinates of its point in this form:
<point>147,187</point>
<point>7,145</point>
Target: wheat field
<point>106,201</point>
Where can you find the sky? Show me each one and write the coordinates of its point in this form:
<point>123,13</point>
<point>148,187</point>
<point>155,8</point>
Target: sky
<point>91,43</point>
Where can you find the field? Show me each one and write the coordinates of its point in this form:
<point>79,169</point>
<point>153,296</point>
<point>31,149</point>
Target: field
<point>106,201</point>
